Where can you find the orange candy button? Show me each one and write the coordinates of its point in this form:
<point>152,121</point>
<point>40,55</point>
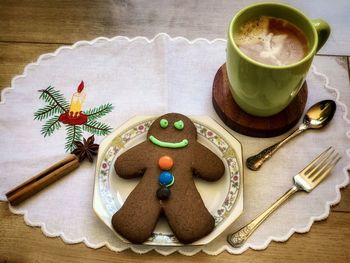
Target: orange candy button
<point>165,162</point>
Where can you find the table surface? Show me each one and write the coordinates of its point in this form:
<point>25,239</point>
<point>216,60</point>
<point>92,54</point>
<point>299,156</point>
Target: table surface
<point>29,28</point>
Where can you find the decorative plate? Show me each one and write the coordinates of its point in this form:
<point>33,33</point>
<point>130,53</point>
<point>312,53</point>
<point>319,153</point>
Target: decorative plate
<point>224,198</point>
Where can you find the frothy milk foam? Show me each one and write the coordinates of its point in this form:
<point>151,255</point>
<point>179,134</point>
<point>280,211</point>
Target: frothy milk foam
<point>271,40</point>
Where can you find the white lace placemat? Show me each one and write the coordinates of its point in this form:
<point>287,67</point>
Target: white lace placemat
<point>127,77</point>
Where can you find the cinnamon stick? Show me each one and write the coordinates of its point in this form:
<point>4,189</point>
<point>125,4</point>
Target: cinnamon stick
<point>43,179</point>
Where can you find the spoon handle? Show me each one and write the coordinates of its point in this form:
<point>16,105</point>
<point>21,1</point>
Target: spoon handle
<point>256,161</point>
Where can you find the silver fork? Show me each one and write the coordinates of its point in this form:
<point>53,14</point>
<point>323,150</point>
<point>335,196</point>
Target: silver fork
<point>306,180</point>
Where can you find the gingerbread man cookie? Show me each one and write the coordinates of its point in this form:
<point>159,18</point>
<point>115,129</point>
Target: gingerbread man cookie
<point>167,162</point>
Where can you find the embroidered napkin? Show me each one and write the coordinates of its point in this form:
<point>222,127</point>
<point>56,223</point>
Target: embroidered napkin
<point>126,77</point>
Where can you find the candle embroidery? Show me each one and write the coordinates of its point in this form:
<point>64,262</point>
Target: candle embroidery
<point>59,112</point>
<point>77,101</point>
<point>74,115</point>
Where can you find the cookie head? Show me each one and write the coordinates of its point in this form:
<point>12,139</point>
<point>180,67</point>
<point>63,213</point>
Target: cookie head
<point>172,130</point>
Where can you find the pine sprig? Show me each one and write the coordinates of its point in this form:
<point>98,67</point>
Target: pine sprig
<point>56,105</point>
<point>74,133</point>
<point>54,98</point>
<point>99,112</point>
<point>50,126</point>
<point>47,112</point>
<point>97,128</point>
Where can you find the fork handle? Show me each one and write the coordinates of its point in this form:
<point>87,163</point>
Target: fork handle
<point>238,238</point>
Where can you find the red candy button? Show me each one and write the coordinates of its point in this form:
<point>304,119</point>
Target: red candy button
<point>165,162</point>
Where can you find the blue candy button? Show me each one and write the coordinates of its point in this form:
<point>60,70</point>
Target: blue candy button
<point>166,178</point>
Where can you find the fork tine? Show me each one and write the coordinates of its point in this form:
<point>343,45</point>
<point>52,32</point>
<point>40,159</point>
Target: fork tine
<point>320,178</point>
<point>311,165</point>
<point>320,166</point>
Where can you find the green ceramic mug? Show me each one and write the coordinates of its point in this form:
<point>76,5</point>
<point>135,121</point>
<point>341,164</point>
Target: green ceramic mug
<point>263,89</point>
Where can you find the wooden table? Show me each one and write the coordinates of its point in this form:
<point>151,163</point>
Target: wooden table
<point>29,28</point>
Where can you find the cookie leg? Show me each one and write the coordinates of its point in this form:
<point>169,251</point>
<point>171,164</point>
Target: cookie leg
<point>187,215</point>
<point>139,214</point>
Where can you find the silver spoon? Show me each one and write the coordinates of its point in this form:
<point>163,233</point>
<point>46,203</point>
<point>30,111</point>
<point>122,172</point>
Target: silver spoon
<point>317,116</point>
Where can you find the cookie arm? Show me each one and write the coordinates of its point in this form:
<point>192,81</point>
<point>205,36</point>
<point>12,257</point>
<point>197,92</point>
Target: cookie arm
<point>132,163</point>
<point>206,164</point>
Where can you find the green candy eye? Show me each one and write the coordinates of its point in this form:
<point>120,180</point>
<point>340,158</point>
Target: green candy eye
<point>163,123</point>
<point>179,125</point>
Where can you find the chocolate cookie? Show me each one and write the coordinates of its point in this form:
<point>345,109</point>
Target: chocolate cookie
<point>167,162</point>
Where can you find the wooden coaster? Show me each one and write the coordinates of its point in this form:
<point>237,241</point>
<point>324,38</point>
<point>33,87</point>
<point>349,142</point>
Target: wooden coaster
<point>234,117</point>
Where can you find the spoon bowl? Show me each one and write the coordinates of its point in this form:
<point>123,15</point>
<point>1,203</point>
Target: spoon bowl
<point>320,114</point>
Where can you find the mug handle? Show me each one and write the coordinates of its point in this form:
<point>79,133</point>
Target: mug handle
<point>323,31</point>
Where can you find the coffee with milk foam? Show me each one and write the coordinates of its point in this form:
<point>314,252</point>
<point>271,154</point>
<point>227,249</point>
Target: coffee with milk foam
<point>273,41</point>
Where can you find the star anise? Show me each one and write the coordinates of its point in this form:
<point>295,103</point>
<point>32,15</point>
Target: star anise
<point>86,149</point>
